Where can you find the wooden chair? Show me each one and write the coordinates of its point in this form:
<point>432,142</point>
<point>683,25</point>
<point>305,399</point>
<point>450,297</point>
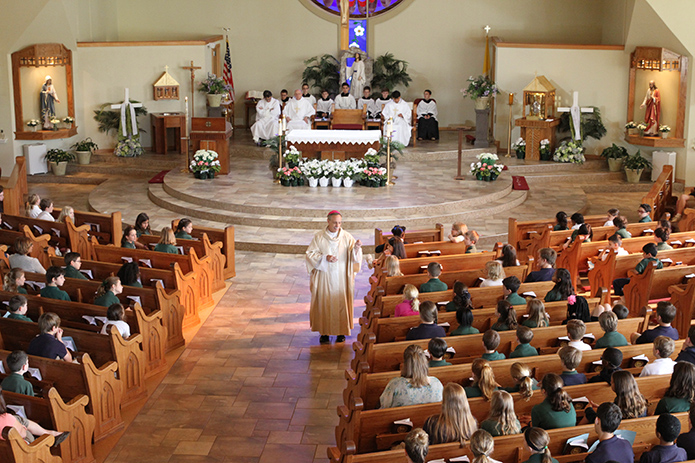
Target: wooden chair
<point>349,119</point>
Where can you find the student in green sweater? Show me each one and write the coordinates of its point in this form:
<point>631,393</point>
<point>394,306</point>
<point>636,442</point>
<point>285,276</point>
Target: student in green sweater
<point>14,281</point>
<point>643,211</point>
<point>470,238</point>
<point>464,316</point>
<point>661,235</point>
<point>167,242</point>
<point>537,441</point>
<point>612,338</point>
<point>556,411</point>
<point>55,277</point>
<point>524,383</point>
<point>524,335</point>
<point>506,317</point>
<point>184,229</point>
<point>73,263</point>
<point>18,364</point>
<point>620,223</point>
<point>437,349</point>
<point>130,237</point>
<point>649,253</point>
<point>537,316</point>
<point>108,292</point>
<point>142,225</point>
<point>491,340</point>
<point>563,286</point>
<point>434,269</point>
<point>18,308</point>
<point>129,273</point>
<point>484,383</point>
<point>502,420</point>
<point>681,390</point>
<point>510,287</point>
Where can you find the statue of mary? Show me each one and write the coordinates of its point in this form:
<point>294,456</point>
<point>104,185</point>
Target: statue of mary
<point>48,100</point>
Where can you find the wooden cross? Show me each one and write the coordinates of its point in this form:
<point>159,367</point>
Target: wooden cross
<point>575,111</point>
<point>192,68</point>
<point>127,102</point>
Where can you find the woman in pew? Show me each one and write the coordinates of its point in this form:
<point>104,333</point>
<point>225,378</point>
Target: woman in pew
<point>129,274</point>
<point>502,420</point>
<point>66,212</point>
<point>108,292</point>
<point>455,423</point>
<point>464,316</point>
<point>142,224</point>
<point>563,286</point>
<point>32,208</point>
<point>116,317</point>
<point>556,411</point>
<point>524,383</point>
<point>681,390</point>
<point>508,257</point>
<point>22,259</point>
<point>413,387</point>
<point>417,446</point>
<point>537,441</point>
<point>495,274</point>
<point>462,298</point>
<point>627,396</point>
<point>560,221</point>
<point>506,317</point>
<point>14,281</point>
<point>167,242</point>
<point>484,384</point>
<point>661,236</point>
<point>410,304</point>
<point>27,429</point>
<point>537,317</point>
<point>184,229</point>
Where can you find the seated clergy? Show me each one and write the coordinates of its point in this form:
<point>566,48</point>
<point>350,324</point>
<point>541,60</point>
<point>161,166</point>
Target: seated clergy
<point>298,112</point>
<point>399,111</point>
<point>367,99</point>
<point>427,125</point>
<point>267,114</point>
<point>324,106</point>
<point>345,100</point>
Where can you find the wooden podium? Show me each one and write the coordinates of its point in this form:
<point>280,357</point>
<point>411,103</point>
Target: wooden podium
<point>533,131</point>
<point>212,133</point>
<point>161,122</point>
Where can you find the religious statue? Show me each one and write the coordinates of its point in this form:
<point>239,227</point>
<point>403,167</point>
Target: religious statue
<point>359,74</point>
<point>357,77</point>
<point>344,12</point>
<point>48,100</point>
<point>652,100</point>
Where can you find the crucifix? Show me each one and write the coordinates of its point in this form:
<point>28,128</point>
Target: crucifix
<point>124,108</point>
<point>192,68</point>
<point>575,113</point>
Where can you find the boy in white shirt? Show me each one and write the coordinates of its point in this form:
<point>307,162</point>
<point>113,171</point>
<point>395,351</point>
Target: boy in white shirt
<point>575,331</point>
<point>610,215</point>
<point>662,365</point>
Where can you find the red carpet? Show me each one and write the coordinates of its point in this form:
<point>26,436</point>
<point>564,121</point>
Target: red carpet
<point>159,178</point>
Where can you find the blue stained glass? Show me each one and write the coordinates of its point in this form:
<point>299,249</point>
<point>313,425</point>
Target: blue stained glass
<point>358,7</point>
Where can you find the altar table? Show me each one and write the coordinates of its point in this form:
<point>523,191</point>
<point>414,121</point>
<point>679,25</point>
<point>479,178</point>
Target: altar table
<point>334,144</point>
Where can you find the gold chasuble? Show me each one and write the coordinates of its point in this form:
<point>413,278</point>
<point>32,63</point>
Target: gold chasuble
<point>332,283</point>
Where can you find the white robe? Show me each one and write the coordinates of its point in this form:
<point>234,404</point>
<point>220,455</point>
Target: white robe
<point>401,125</point>
<point>311,98</point>
<point>332,284</point>
<point>324,106</point>
<point>296,110</point>
<point>371,106</point>
<point>427,108</point>
<point>345,102</point>
<point>380,103</point>
<point>358,78</point>
<point>267,115</point>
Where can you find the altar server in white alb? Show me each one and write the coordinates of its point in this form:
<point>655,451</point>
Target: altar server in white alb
<point>324,106</point>
<point>367,99</point>
<point>307,95</point>
<point>400,112</point>
<point>298,112</point>
<point>382,101</point>
<point>345,100</point>
<point>427,124</point>
<point>267,115</point>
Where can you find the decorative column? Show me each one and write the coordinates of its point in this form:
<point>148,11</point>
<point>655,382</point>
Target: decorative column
<point>482,127</point>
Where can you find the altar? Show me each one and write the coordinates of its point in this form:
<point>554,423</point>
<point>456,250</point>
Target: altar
<point>334,144</point>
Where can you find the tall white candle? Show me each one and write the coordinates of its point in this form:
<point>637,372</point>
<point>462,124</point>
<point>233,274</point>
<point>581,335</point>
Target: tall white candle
<point>186,103</point>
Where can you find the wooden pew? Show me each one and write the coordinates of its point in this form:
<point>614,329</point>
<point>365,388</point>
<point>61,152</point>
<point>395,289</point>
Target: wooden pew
<point>41,250</point>
<point>216,235</point>
<point>653,284</point>
<point>106,228</point>
<point>412,236</point>
<point>15,188</point>
<point>450,263</point>
<point>683,297</point>
<point>661,193</point>
<point>63,235</point>
<point>14,449</point>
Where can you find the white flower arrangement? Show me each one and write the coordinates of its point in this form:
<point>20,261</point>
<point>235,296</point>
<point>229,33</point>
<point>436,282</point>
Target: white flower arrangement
<point>33,123</point>
<point>69,120</point>
<point>642,126</point>
<point>664,128</point>
<point>55,120</point>
<point>519,143</point>
<point>205,160</point>
<point>545,142</point>
<point>631,125</point>
<point>571,151</point>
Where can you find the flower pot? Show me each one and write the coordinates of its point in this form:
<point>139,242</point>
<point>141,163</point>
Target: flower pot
<point>382,182</point>
<point>615,164</point>
<point>58,168</point>
<point>482,103</point>
<point>521,154</point>
<point>664,134</point>
<point>323,181</point>
<point>336,182</point>
<point>300,181</point>
<point>33,128</point>
<point>214,101</point>
<point>284,181</point>
<point>83,157</point>
<point>632,131</point>
<point>348,182</point>
<point>202,175</point>
<point>293,182</point>
<point>633,176</point>
<point>313,182</point>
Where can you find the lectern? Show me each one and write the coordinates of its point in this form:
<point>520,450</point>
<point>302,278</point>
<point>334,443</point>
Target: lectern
<point>212,133</point>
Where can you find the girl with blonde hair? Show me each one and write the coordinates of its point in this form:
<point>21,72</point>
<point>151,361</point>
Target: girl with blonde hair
<point>524,383</point>
<point>482,446</point>
<point>537,316</point>
<point>495,274</point>
<point>484,383</point>
<point>455,423</point>
<point>458,229</point>
<point>417,446</point>
<point>393,267</point>
<point>502,420</point>
<point>413,386</point>
<point>32,206</point>
<point>67,211</point>
<point>410,304</point>
<point>537,441</point>
<point>167,242</point>
<point>14,281</point>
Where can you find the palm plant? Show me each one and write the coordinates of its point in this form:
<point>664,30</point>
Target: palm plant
<point>591,124</point>
<point>390,72</point>
<point>109,119</point>
<point>322,72</point>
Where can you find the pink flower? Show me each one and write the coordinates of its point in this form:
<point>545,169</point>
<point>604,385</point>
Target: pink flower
<point>571,299</point>
<point>200,163</point>
<point>489,167</point>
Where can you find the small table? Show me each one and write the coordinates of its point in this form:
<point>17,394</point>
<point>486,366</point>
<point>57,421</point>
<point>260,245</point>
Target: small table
<point>334,144</point>
<point>163,121</point>
<point>533,132</point>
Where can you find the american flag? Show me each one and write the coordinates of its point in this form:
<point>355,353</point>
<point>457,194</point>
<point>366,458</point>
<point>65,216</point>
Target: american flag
<point>227,72</point>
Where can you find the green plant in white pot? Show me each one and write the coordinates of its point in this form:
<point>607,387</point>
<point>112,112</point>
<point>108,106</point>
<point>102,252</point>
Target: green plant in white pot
<point>58,160</point>
<point>634,166</point>
<point>84,150</point>
<point>615,155</point>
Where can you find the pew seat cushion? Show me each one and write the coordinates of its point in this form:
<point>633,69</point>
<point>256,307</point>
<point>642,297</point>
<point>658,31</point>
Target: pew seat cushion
<point>399,393</point>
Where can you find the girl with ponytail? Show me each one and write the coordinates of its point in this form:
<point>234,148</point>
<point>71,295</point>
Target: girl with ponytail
<point>410,304</point>
<point>484,383</point>
<point>524,383</point>
<point>416,446</point>
<point>556,411</point>
<point>537,440</point>
<point>482,446</point>
<point>502,420</point>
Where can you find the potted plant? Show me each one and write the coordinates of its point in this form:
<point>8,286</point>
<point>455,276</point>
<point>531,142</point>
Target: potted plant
<point>312,171</point>
<point>519,147</point>
<point>480,89</point>
<point>54,123</point>
<point>215,88</point>
<point>631,128</point>
<point>615,155</point>
<point>292,157</point>
<point>486,169</point>
<point>664,130</point>
<point>322,72</point>
<point>58,160</point>
<point>390,72</point>
<point>84,149</point>
<point>33,125</point>
<point>641,127</point>
<point>68,121</point>
<point>351,168</point>
<point>326,172</point>
<point>634,165</point>
<point>544,150</point>
<point>205,164</point>
<point>570,151</point>
<point>338,173</point>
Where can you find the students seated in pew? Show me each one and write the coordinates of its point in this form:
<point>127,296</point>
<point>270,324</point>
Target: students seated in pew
<point>615,244</point>
<point>469,239</point>
<point>142,224</point>
<point>661,235</point>
<point>184,229</point>
<point>22,259</point>
<point>455,423</point>
<point>14,281</point>
<point>537,441</point>
<point>434,269</point>
<point>464,317</point>
<point>687,353</point>
<point>577,221</point>
<point>130,239</point>
<point>49,342</point>
<point>413,386</point>
<point>482,446</point>
<point>556,411</point>
<point>27,429</point>
<point>416,446</point>
<point>662,364</point>
<point>55,277</point>
<point>524,335</point>
<point>437,348</point>
<point>502,420</point>
<point>66,212</point>
<point>681,390</point>
<point>628,398</point>
<point>167,242</point>
<point>458,229</point>
<point>73,262</point>
<point>665,314</point>
<point>620,223</point>
<point>668,427</point>
<point>511,286</point>
<point>46,206</point>
<point>398,236</point>
<point>537,317</point>
<point>570,358</point>
<point>612,338</point>
<point>108,292</point>
<point>428,328</point>
<point>484,383</point>
<point>611,359</point>
<point>546,260</point>
<point>576,329</point>
<point>610,447</point>
<point>563,286</point>
<point>495,274</point>
<point>643,212</point>
<point>32,208</point>
<point>508,257</point>
<point>410,304</point>
<point>560,221</point>
<point>506,317</point>
<point>687,439</point>
<point>393,266</point>
<point>115,315</point>
<point>524,384</point>
<point>17,307</point>
<point>462,298</point>
<point>18,364</point>
<point>611,214</point>
<point>129,274</point>
<point>491,341</point>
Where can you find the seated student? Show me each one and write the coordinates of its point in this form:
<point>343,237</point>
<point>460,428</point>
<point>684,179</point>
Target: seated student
<point>66,212</point>
<point>416,446</point>
<point>556,411</point>
<point>462,298</point>
<point>687,439</point>
<point>324,106</point>
<point>495,274</point>
<point>577,221</point>
<point>284,96</point>
<point>687,353</point>
<point>464,317</point>
<point>576,329</point>
<point>563,286</point>
<point>413,386</point>
<point>18,308</point>
<point>506,317</point>
<point>73,262</point>
<point>458,229</point>
<point>469,239</point>
<point>434,269</point>
<point>524,335</point>
<point>620,223</point>
<point>484,383</point>
<point>621,311</point>
<point>524,384</point>
<point>27,429</point>
<point>611,359</point>
<point>32,208</point>
<point>130,239</point>
<point>611,338</point>
<point>142,225</point>
<point>22,259</point>
<point>455,423</point>
<point>129,274</point>
<point>584,234</point>
<point>367,100</point>
<point>662,235</point>
<point>643,212</point>
<point>167,242</point>
<point>508,257</point>
<point>49,343</point>
<point>649,252</point>
<point>18,364</point>
<point>681,390</point>
<point>55,277</point>
<point>668,427</point>
<point>381,102</point>
<point>546,261</point>
<point>14,280</point>
<point>502,420</point>
<point>428,327</point>
<point>610,447</point>
<point>615,244</point>
<point>46,206</point>
<point>560,221</point>
<point>662,364</point>
<point>108,292</point>
<point>345,100</point>
<point>410,304</point>
<point>184,229</point>
<point>115,315</point>
<point>511,286</point>
<point>570,358</point>
<point>537,317</point>
<point>437,348</point>
<point>427,125</point>
<point>393,266</point>
<point>665,314</point>
<point>537,440</point>
<point>491,341</point>
<point>611,214</point>
<point>482,446</point>
<point>628,398</point>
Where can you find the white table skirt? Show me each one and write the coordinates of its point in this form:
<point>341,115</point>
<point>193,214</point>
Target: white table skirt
<point>355,137</point>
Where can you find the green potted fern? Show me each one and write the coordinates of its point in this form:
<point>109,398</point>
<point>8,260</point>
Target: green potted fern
<point>390,72</point>
<point>58,160</point>
<point>615,155</point>
<point>634,166</point>
<point>84,149</point>
<point>322,72</point>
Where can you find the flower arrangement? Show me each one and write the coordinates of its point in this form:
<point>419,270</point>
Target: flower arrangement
<point>57,155</point>
<point>312,169</point>
<point>55,121</point>
<point>69,120</point>
<point>544,150</point>
<point>570,151</point>
<point>214,85</point>
<point>664,129</point>
<point>631,125</point>
<point>292,156</point>
<point>33,123</point>
<point>373,176</point>
<point>290,176</point>
<point>372,157</point>
<point>479,87</point>
<point>129,148</point>
<point>641,126</point>
<point>205,161</point>
<point>519,147</point>
<point>486,168</point>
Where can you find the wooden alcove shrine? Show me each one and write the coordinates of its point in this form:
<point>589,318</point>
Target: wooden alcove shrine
<point>654,60</point>
<point>42,55</point>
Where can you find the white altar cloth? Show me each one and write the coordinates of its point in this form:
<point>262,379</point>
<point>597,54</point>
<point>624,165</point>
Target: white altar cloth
<point>354,137</point>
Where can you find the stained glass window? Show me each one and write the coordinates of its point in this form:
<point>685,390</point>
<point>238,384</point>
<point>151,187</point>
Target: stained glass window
<point>358,8</point>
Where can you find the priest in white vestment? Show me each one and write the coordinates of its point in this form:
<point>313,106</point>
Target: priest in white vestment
<point>267,115</point>
<point>298,112</point>
<point>332,260</point>
<point>345,100</point>
<point>402,115</point>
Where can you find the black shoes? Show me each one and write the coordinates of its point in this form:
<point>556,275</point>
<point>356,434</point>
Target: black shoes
<point>324,339</point>
<point>340,338</point>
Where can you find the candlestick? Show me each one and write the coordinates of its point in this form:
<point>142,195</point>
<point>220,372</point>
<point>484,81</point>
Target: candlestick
<point>511,98</point>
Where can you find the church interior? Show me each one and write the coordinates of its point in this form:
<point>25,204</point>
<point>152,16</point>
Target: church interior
<point>240,376</point>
